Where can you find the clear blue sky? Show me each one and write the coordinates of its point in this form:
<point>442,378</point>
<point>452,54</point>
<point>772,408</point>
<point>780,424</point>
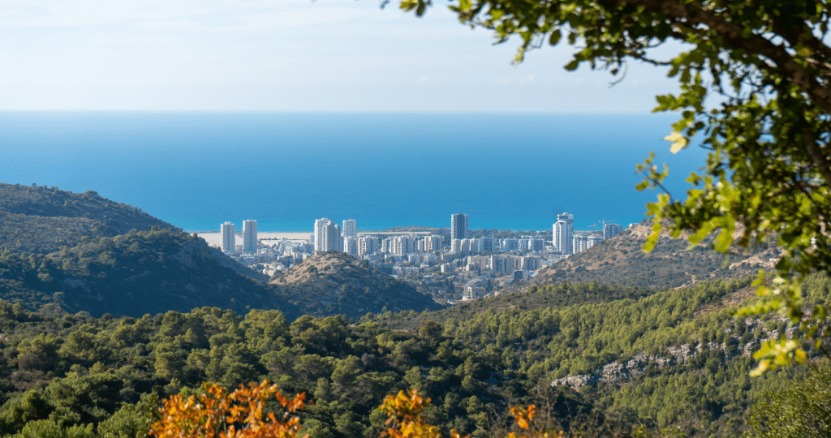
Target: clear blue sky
<point>285,55</point>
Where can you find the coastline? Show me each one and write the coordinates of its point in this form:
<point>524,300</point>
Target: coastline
<point>214,238</point>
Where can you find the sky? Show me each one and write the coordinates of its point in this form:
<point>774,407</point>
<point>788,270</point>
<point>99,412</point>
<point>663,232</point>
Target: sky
<point>286,55</point>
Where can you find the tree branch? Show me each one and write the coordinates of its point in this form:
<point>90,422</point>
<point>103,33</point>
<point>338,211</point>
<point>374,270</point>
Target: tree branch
<point>735,37</point>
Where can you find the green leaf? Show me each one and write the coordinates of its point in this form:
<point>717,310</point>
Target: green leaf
<point>571,66</point>
<point>723,240</point>
<point>555,36</point>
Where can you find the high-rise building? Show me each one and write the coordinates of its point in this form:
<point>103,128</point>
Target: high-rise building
<point>509,244</point>
<point>486,245</point>
<point>469,246</point>
<point>327,236</point>
<point>611,230</point>
<point>536,244</point>
<point>350,228</point>
<point>350,246</point>
<point>433,243</point>
<point>505,264</point>
<point>401,245</point>
<point>564,233</point>
<point>228,237</point>
<point>386,244</point>
<point>580,243</point>
<point>593,240</point>
<point>458,226</point>
<point>531,263</point>
<point>249,236</point>
<point>368,245</point>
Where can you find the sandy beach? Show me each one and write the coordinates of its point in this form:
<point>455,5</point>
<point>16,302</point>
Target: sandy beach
<point>214,238</point>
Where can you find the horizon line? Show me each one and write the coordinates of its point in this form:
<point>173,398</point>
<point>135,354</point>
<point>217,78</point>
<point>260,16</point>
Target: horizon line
<point>287,111</point>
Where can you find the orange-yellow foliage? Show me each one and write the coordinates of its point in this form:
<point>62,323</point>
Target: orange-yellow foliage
<point>405,419</point>
<point>523,417</point>
<point>405,412</point>
<point>239,414</point>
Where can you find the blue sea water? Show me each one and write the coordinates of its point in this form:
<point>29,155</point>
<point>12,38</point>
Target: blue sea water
<point>196,170</point>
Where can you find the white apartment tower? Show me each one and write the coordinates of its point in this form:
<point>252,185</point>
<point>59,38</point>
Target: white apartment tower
<point>564,233</point>
<point>228,237</point>
<point>593,240</point>
<point>536,244</point>
<point>611,230</point>
<point>249,236</point>
<point>350,246</point>
<point>486,244</point>
<point>401,245</point>
<point>432,243</point>
<point>327,236</point>
<point>368,245</point>
<point>458,226</point>
<point>581,243</point>
<point>350,228</point>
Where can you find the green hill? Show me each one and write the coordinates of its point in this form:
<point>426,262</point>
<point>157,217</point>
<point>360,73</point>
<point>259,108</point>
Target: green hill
<point>42,219</point>
<point>333,283</point>
<point>133,274</point>
<point>675,360</point>
<point>86,253</point>
<point>622,261</point>
<point>161,270</point>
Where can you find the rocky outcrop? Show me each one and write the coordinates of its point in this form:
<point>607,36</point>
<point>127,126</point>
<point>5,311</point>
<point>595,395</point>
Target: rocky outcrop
<point>623,371</point>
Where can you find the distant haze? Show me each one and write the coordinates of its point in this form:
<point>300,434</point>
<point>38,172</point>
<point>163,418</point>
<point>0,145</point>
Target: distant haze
<point>323,55</point>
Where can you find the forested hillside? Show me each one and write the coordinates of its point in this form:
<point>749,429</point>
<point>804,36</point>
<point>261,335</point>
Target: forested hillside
<point>97,256</point>
<point>133,274</point>
<point>672,360</point>
<point>94,334</point>
<point>37,219</point>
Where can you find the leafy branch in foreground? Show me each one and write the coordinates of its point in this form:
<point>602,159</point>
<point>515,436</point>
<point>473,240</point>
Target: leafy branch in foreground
<point>754,89</point>
<point>242,413</point>
<point>405,412</point>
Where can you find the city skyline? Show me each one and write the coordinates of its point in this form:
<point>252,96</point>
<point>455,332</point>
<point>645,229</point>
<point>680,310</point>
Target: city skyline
<point>600,226</point>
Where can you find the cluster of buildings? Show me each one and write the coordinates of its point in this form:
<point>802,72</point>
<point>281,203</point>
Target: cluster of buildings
<point>566,241</point>
<point>449,265</point>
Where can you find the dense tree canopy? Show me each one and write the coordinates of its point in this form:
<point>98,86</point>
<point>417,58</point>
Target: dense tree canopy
<point>663,360</point>
<point>754,89</point>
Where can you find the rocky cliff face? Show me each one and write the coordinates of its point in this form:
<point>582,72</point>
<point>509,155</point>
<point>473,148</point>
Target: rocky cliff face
<point>623,371</point>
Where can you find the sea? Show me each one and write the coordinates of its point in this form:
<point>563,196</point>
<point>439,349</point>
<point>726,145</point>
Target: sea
<point>198,169</point>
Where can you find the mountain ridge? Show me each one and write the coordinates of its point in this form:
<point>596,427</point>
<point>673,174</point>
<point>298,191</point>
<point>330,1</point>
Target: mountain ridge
<point>91,254</point>
<point>38,219</point>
